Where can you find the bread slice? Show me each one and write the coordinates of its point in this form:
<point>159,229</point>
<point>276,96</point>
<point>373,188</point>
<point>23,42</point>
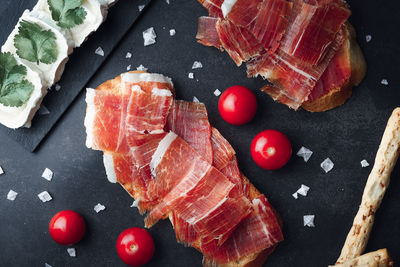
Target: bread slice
<point>338,95</point>
<point>379,258</point>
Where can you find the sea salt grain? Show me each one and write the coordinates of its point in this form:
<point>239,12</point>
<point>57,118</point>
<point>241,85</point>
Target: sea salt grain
<point>149,36</point>
<point>71,252</point>
<point>128,55</point>
<point>58,87</point>
<point>195,100</point>
<point>295,195</point>
<point>368,38</point>
<point>99,51</point>
<point>45,196</point>
<point>305,153</point>
<point>99,208</point>
<point>129,67</point>
<point>167,1</point>
<point>217,92</point>
<point>309,220</point>
<point>47,174</point>
<point>191,75</point>
<point>172,32</point>
<point>327,165</point>
<point>142,68</point>
<point>303,190</point>
<point>43,110</point>
<point>364,163</point>
<point>135,204</point>
<point>47,265</point>
<point>384,82</point>
<point>12,195</point>
<point>141,7</point>
<point>197,65</point>
<point>1,170</point>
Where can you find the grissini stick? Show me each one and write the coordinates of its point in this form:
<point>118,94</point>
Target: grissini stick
<point>374,190</point>
<point>379,258</point>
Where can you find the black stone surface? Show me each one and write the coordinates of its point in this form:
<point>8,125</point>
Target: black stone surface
<point>80,68</point>
<point>346,135</point>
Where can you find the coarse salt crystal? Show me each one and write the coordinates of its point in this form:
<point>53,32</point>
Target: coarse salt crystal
<point>141,7</point>
<point>303,190</point>
<point>71,252</point>
<point>45,196</point>
<point>47,265</point>
<point>135,204</point>
<point>309,220</point>
<point>305,153</point>
<point>295,195</point>
<point>128,55</point>
<point>47,174</point>
<point>172,32</point>
<point>1,170</point>
<point>364,163</point>
<point>368,38</point>
<point>99,51</point>
<point>99,208</point>
<point>57,87</point>
<point>141,67</point>
<point>327,165</point>
<point>191,75</point>
<point>196,100</point>
<point>12,195</point>
<point>149,36</point>
<point>197,65</point>
<point>43,110</point>
<point>167,1</point>
<point>384,82</point>
<point>129,67</point>
<point>217,92</point>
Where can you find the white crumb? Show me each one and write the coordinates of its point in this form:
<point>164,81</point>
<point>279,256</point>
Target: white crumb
<point>141,67</point>
<point>191,75</point>
<point>172,32</point>
<point>45,196</point>
<point>368,38</point>
<point>47,174</point>
<point>57,87</point>
<point>128,55</point>
<point>12,195</point>
<point>129,67</point>
<point>141,7</point>
<point>196,100</point>
<point>99,51</point>
<point>197,65</point>
<point>99,208</point>
<point>304,153</point>
<point>43,110</point>
<point>217,92</point>
<point>327,165</point>
<point>384,82</point>
<point>303,190</point>
<point>309,220</point>
<point>71,252</point>
<point>149,36</point>
<point>364,163</point>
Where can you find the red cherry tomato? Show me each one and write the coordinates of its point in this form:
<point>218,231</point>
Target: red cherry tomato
<point>135,246</point>
<point>67,227</point>
<point>271,149</point>
<point>237,105</point>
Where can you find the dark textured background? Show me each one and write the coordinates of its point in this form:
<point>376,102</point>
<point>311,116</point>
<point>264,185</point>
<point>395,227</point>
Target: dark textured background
<point>346,135</point>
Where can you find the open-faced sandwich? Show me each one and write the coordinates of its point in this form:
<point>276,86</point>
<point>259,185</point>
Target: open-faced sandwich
<point>168,157</point>
<point>306,49</point>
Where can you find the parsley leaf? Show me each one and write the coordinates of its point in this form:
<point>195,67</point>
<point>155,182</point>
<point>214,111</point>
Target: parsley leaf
<point>34,44</point>
<point>67,13</point>
<point>15,90</point>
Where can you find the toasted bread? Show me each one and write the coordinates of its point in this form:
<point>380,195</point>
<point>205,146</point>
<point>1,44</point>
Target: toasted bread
<point>338,96</point>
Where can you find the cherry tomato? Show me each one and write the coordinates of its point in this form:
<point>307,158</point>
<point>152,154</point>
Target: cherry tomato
<point>237,105</point>
<point>135,246</point>
<point>67,227</point>
<point>271,149</point>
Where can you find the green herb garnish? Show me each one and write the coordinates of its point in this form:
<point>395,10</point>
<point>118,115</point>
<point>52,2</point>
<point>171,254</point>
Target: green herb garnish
<point>67,13</point>
<point>15,90</point>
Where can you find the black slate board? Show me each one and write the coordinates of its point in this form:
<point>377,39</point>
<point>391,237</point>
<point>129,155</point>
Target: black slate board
<point>82,65</point>
<point>346,135</point>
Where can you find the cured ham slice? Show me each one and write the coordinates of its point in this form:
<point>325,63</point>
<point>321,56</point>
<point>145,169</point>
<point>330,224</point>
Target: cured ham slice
<point>240,44</point>
<point>189,120</point>
<point>213,7</point>
<point>313,29</point>
<point>207,32</point>
<point>223,151</point>
<point>259,231</point>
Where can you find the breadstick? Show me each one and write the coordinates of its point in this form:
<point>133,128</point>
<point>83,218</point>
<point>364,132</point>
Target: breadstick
<point>379,258</point>
<point>374,190</point>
